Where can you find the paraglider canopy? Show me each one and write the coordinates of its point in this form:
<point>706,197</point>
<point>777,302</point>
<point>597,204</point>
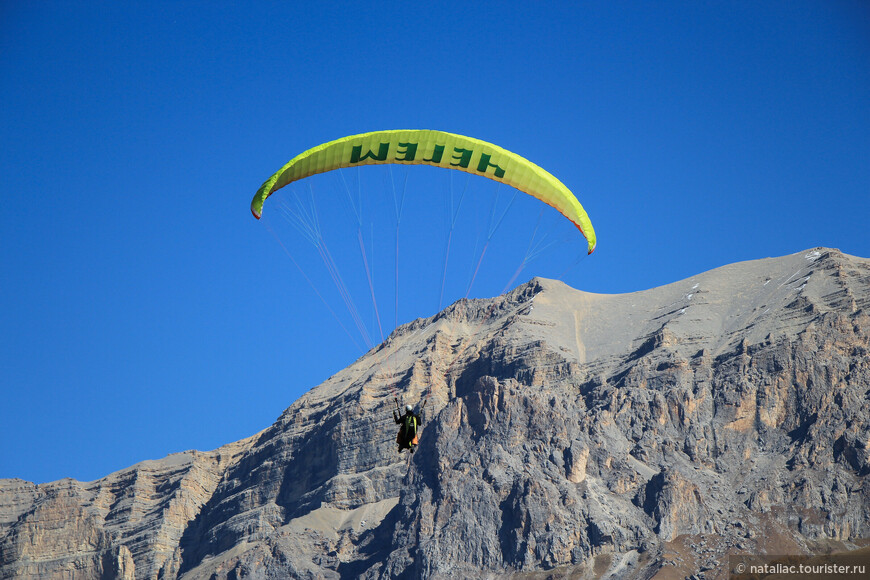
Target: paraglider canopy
<point>436,148</point>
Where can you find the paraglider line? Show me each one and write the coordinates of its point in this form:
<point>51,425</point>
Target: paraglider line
<point>453,216</point>
<point>353,207</point>
<point>477,269</point>
<point>503,214</point>
<point>369,277</point>
<point>572,266</point>
<point>444,273</point>
<point>399,207</point>
<point>305,219</point>
<point>310,283</point>
<point>342,289</point>
<point>312,223</point>
<point>526,258</point>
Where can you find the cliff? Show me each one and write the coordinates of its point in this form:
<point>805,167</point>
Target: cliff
<point>566,434</point>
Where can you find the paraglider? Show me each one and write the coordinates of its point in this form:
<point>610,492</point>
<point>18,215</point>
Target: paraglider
<point>436,148</point>
<point>419,147</point>
<point>409,425</point>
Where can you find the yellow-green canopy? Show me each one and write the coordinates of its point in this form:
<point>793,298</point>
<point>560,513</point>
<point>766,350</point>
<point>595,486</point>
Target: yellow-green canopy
<point>437,148</point>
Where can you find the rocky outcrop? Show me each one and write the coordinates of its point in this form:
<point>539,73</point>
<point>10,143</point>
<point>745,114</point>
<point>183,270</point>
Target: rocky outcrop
<point>127,525</point>
<point>566,433</point>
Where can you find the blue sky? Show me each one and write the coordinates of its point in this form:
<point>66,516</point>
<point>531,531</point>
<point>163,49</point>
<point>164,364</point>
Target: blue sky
<point>143,311</point>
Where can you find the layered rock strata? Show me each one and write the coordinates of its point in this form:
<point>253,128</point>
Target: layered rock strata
<point>566,434</point>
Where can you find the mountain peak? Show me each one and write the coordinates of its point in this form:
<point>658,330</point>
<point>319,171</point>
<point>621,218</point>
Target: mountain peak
<point>567,431</point>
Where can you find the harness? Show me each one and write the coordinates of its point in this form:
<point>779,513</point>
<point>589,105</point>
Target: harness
<point>410,425</point>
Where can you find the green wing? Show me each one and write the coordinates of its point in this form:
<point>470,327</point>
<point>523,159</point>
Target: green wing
<point>437,148</point>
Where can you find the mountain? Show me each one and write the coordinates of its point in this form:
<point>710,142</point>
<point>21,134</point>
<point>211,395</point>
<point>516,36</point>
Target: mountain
<point>566,434</point>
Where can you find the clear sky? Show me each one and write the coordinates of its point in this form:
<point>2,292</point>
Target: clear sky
<point>144,311</point>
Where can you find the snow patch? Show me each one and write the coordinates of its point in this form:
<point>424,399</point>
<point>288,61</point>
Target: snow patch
<point>788,279</point>
<point>814,255</point>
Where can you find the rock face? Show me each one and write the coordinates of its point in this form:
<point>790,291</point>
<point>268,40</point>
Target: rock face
<point>566,434</point>
<point>127,525</point>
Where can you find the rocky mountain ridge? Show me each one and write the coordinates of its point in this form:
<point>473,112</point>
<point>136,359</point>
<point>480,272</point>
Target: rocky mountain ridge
<point>567,434</point>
